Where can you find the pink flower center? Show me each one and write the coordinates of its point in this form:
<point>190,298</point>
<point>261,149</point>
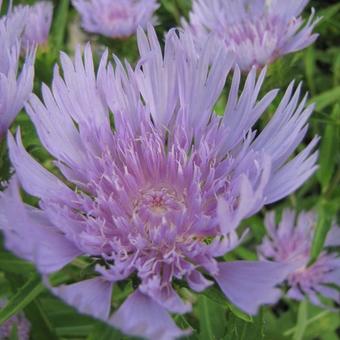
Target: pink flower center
<point>155,205</point>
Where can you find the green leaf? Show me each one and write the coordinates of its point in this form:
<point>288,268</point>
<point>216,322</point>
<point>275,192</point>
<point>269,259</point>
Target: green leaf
<point>301,322</point>
<point>328,149</point>
<point>11,264</point>
<point>326,98</point>
<point>22,298</point>
<point>212,319</point>
<point>240,330</point>
<point>336,70</point>
<point>171,7</point>
<point>326,212</point>
<point>318,325</point>
<point>215,294</point>
<point>104,332</point>
<point>310,61</point>
<point>41,325</point>
<point>59,25</point>
<point>329,12</point>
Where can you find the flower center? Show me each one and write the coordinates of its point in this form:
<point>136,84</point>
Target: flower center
<point>153,205</point>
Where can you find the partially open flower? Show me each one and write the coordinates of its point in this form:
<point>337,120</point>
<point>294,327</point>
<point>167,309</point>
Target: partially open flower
<point>115,18</point>
<point>14,88</point>
<point>258,31</point>
<point>154,190</point>
<point>38,23</point>
<point>291,240</point>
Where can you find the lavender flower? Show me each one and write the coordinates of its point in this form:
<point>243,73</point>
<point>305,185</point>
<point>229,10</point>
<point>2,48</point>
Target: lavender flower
<point>158,197</point>
<point>257,31</point>
<point>38,23</point>
<point>291,240</point>
<point>14,90</point>
<point>19,321</point>
<point>115,18</point>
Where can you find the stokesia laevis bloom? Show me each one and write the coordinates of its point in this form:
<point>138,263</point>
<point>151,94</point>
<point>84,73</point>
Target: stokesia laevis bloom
<point>291,240</point>
<point>158,197</point>
<point>14,88</point>
<point>23,327</point>
<point>38,23</point>
<point>115,18</point>
<point>258,31</point>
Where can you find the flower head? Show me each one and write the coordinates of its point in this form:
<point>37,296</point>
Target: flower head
<point>19,321</point>
<point>38,23</point>
<point>115,18</point>
<point>157,196</point>
<point>291,240</point>
<point>257,31</point>
<point>14,88</point>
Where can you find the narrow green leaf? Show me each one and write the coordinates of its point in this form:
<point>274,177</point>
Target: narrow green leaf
<point>336,70</point>
<point>22,298</point>
<point>301,322</point>
<point>59,25</point>
<point>328,149</point>
<point>308,322</point>
<point>326,98</point>
<point>329,12</point>
<point>310,68</point>
<point>326,212</point>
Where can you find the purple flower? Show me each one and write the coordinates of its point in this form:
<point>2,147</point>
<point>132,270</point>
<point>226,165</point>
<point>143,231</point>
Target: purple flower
<point>291,240</point>
<point>14,88</point>
<point>258,31</point>
<point>115,18</point>
<point>153,184</point>
<point>19,321</point>
<point>38,23</point>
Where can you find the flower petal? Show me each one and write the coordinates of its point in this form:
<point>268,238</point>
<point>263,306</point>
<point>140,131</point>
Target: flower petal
<point>249,284</point>
<point>30,235</point>
<point>139,315</point>
<point>91,296</point>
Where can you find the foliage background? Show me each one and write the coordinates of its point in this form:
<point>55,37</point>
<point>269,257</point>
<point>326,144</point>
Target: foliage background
<point>213,318</point>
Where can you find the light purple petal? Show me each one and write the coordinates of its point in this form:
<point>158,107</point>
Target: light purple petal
<point>251,284</point>
<point>139,315</point>
<point>333,237</point>
<point>29,234</point>
<point>40,183</point>
<point>92,297</point>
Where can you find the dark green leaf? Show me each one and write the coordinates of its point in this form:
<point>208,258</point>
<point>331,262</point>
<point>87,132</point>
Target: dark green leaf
<point>326,212</point>
<point>329,147</point>
<point>41,325</point>
<point>22,298</point>
<point>104,332</point>
<point>310,61</point>
<point>11,264</point>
